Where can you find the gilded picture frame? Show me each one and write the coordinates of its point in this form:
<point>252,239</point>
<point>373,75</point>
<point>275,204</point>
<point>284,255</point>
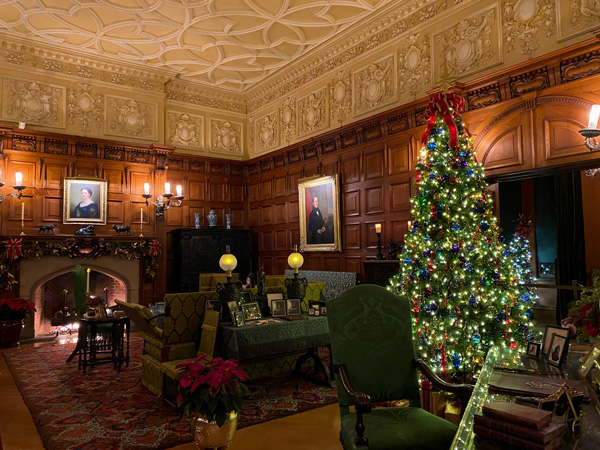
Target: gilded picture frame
<point>84,201</point>
<point>320,227</point>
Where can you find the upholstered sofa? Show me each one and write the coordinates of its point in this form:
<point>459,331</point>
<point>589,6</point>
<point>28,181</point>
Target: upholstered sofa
<point>276,283</point>
<point>208,281</point>
<point>335,282</point>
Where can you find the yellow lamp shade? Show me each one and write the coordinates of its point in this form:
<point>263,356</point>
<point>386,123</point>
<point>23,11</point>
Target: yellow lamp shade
<point>295,260</point>
<point>228,262</point>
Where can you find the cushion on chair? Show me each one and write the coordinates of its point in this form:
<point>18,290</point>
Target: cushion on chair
<point>141,316</point>
<point>161,351</point>
<point>183,315</point>
<point>400,429</point>
<point>314,293</point>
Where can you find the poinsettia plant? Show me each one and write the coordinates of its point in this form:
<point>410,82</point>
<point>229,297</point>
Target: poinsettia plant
<point>584,314</point>
<point>211,387</point>
<point>15,308</point>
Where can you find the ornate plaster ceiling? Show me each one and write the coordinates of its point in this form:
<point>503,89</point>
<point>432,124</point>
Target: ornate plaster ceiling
<point>230,44</point>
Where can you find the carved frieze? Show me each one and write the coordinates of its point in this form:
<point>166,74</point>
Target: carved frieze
<point>313,112</point>
<point>131,118</point>
<point>420,117</point>
<point>525,21</point>
<point>310,151</point>
<point>485,96</point>
<point>329,145</point>
<point>140,156</point>
<point>87,150</point>
<point>397,123</point>
<point>349,138</point>
<point>340,96</point>
<point>372,131</point>
<point>267,132</point>
<point>85,107</point>
<point>374,85</point>
<point>294,156</point>
<point>414,65</point>
<point>176,163</point>
<point>577,17</point>
<point>580,67</point>
<point>114,153</point>
<point>197,166</point>
<point>251,140</point>
<point>56,146</point>
<point>25,143</point>
<point>527,82</point>
<point>471,45</point>
<point>185,130</point>
<point>288,120</point>
<point>226,137</point>
<point>33,102</point>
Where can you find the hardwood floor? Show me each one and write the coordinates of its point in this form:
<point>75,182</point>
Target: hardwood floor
<point>316,429</point>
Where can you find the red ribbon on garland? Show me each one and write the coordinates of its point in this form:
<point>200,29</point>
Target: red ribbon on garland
<point>446,106</point>
<point>154,248</point>
<point>13,248</point>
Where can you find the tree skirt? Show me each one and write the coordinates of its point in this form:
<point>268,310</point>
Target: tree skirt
<point>105,409</point>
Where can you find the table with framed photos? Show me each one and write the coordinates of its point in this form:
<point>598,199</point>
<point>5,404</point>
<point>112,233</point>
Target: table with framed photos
<point>272,337</point>
<point>508,361</point>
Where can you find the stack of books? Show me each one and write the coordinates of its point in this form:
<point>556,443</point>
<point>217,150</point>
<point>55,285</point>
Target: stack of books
<point>520,426</point>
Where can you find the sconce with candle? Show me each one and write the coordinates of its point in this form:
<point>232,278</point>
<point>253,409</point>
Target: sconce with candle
<point>592,131</point>
<point>18,186</point>
<point>163,202</point>
<point>378,232</point>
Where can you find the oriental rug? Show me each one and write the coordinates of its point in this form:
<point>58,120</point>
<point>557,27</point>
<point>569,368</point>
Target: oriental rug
<point>108,410</point>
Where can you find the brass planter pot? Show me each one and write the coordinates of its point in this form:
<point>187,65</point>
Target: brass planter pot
<point>208,435</point>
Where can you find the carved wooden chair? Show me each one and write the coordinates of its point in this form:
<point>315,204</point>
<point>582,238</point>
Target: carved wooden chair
<point>371,343</point>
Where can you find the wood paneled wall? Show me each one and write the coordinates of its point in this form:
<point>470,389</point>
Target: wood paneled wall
<point>524,121</point>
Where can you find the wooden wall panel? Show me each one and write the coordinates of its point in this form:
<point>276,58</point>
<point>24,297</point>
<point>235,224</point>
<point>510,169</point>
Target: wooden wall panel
<point>238,218</point>
<point>374,200</point>
<point>216,189</point>
<point>255,217</point>
<point>267,241</point>
<point>114,211</point>
<point>374,158</point>
<point>351,203</point>
<point>351,168</point>
<point>399,196</point>
<point>28,169</point>
<point>562,138</point>
<point>295,174</point>
<point>506,150</point>
<point>280,185</point>
<point>253,192</point>
<point>236,193</point>
<point>280,215</point>
<point>52,209</point>
<point>281,240</point>
<point>267,215</point>
<point>116,182</point>
<point>351,236</point>
<point>54,175</point>
<point>399,156</point>
<point>266,188</point>
<point>137,181</point>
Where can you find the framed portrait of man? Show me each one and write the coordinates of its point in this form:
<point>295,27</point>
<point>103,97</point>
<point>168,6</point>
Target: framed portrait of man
<point>84,201</point>
<point>319,200</point>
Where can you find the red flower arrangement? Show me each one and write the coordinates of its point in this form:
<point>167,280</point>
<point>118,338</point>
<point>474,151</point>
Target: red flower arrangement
<point>15,308</point>
<point>211,387</point>
<point>584,314</point>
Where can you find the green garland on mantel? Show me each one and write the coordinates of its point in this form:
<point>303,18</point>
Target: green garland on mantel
<point>13,250</point>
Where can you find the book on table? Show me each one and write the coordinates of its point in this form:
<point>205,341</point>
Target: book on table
<point>519,414</point>
<point>543,435</point>
<point>516,441</point>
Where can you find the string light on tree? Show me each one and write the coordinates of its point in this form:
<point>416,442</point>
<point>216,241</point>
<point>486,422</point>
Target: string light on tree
<point>463,291</point>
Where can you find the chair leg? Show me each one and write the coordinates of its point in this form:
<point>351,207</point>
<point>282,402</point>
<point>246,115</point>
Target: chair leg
<point>360,430</point>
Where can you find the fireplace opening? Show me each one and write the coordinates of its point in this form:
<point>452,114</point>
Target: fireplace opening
<point>55,300</point>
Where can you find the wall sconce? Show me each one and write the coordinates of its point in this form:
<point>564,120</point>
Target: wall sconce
<point>18,186</point>
<point>378,232</point>
<point>592,131</point>
<point>228,291</point>
<point>296,287</point>
<point>163,202</point>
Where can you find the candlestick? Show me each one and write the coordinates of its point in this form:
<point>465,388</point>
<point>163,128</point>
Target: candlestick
<point>167,188</point>
<point>19,178</point>
<point>22,218</point>
<point>146,188</point>
<point>378,231</point>
<point>377,228</point>
<point>179,190</point>
<point>87,286</point>
<point>141,222</point>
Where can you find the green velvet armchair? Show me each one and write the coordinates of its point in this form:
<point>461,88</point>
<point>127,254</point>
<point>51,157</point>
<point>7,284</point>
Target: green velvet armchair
<point>371,343</point>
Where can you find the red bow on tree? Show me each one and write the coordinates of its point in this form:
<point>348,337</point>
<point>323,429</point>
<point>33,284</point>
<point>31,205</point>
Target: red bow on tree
<point>446,106</point>
<point>13,248</point>
<point>154,248</point>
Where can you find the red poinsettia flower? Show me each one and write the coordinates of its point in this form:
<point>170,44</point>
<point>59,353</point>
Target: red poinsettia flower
<point>586,310</point>
<point>15,308</point>
<point>591,328</point>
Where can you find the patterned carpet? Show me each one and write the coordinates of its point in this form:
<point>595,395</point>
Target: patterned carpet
<point>108,410</point>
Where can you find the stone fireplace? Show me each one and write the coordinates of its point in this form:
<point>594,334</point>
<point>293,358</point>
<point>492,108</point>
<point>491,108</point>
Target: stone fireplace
<point>43,280</point>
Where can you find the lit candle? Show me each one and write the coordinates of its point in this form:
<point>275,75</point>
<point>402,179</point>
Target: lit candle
<point>141,215</point>
<point>87,286</point>
<point>167,188</point>
<point>19,178</point>
<point>146,188</point>
<point>594,115</point>
<point>22,211</point>
<point>409,224</point>
<point>178,190</point>
<point>377,228</point>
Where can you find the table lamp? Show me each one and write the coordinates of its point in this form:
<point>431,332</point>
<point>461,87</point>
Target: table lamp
<point>296,287</point>
<point>228,291</point>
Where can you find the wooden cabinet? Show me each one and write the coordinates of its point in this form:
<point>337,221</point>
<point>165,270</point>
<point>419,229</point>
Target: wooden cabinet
<point>197,251</point>
<point>380,272</point>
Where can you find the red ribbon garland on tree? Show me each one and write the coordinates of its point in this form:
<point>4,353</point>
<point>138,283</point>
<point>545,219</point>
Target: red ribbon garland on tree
<point>445,105</point>
<point>13,248</point>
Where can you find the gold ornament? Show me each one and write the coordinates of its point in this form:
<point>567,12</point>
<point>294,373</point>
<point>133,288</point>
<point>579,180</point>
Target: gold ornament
<point>469,350</point>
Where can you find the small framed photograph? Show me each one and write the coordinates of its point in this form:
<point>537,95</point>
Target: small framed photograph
<point>294,307</point>
<point>246,297</point>
<point>533,349</point>
<point>558,350</point>
<point>323,310</point>
<point>588,362</point>
<point>238,318</point>
<point>550,330</point>
<point>317,311</point>
<point>84,201</point>
<point>531,363</point>
<point>213,305</point>
<point>251,311</point>
<point>311,311</point>
<point>233,307</point>
<point>274,296</point>
<point>278,308</point>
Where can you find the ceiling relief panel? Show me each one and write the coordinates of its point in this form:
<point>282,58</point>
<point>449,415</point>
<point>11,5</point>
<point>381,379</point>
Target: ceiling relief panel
<point>471,45</point>
<point>185,130</point>
<point>33,102</point>
<point>127,117</point>
<point>288,121</point>
<point>525,21</point>
<point>313,112</point>
<point>374,85</point>
<point>414,65</point>
<point>576,17</point>
<point>267,132</point>
<point>85,107</point>
<point>226,137</point>
<point>340,96</point>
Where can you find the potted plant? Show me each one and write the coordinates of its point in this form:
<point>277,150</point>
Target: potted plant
<point>12,313</point>
<point>210,392</point>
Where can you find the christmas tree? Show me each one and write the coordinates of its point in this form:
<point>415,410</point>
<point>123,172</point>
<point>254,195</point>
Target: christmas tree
<point>454,270</point>
<point>521,257</point>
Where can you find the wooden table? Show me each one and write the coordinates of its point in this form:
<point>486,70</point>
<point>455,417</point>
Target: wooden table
<point>93,349</point>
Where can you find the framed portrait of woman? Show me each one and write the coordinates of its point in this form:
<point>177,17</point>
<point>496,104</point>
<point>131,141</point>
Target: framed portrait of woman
<point>84,201</point>
<point>319,201</point>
